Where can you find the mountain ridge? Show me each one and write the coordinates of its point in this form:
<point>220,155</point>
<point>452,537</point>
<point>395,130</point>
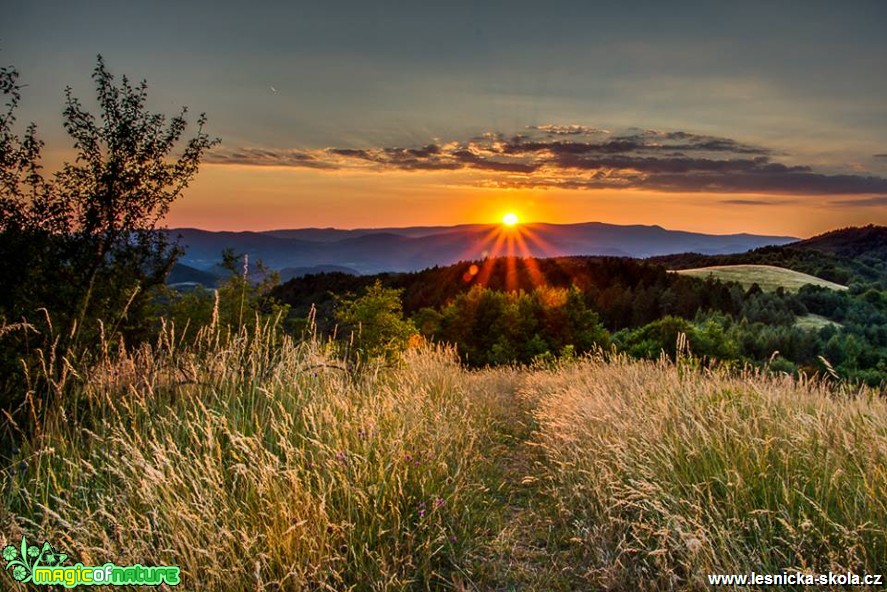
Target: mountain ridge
<point>408,249</point>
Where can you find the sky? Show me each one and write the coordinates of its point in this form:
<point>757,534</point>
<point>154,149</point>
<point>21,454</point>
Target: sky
<point>761,117</point>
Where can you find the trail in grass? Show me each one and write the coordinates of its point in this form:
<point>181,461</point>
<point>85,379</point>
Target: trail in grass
<point>526,548</point>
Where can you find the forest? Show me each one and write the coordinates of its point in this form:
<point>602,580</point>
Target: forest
<point>635,306</point>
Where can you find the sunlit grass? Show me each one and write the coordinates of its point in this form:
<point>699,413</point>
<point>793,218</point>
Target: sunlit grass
<point>662,476</point>
<point>815,322</point>
<point>768,277</point>
<point>259,467</point>
<point>256,462</point>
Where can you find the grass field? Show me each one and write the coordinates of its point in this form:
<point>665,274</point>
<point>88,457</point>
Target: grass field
<point>768,277</point>
<point>815,322</point>
<point>262,463</point>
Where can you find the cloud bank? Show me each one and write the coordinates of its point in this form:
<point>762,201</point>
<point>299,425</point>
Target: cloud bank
<point>579,157</point>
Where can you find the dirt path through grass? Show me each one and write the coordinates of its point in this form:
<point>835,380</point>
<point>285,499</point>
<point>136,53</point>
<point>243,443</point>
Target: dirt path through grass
<point>527,548</point>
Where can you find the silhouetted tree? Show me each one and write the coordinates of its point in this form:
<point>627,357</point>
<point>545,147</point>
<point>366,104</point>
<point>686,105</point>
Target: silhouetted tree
<point>86,245</point>
<point>119,189</point>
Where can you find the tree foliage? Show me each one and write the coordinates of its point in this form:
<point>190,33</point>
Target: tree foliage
<point>241,300</point>
<point>493,327</point>
<point>641,304</point>
<point>82,252</point>
<point>21,183</point>
<point>373,323</point>
<point>117,191</point>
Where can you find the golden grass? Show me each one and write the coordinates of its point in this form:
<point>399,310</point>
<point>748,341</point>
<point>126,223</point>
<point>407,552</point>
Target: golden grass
<point>260,468</point>
<point>256,462</point>
<point>664,475</point>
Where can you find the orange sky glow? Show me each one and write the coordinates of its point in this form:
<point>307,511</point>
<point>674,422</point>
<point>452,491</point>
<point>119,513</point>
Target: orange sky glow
<point>712,117</point>
<point>231,197</point>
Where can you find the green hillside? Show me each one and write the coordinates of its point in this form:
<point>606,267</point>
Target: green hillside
<point>768,277</point>
<point>845,256</point>
<point>515,310</point>
<point>815,322</point>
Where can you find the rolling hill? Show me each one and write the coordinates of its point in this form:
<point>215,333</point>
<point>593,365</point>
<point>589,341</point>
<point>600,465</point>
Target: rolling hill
<point>368,251</point>
<point>767,277</point>
<point>841,256</point>
<point>867,242</point>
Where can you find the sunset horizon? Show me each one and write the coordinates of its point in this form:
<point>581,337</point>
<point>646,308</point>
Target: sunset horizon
<point>693,117</point>
<point>485,224</point>
<point>473,295</point>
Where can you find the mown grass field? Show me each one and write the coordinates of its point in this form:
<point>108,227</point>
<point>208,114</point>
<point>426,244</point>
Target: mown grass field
<point>768,277</point>
<point>814,322</point>
<point>261,463</point>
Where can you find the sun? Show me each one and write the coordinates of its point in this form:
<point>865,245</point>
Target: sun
<point>510,219</point>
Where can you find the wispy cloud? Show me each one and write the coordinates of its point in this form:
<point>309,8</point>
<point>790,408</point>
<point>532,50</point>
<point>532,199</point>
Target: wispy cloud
<point>266,157</point>
<point>875,201</point>
<point>757,202</point>
<point>579,157</point>
<point>569,130</point>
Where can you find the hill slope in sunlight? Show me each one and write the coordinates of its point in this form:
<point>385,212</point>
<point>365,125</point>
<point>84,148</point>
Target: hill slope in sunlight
<point>768,277</point>
<point>842,256</point>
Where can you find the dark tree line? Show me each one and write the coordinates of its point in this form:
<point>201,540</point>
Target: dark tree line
<point>637,306</point>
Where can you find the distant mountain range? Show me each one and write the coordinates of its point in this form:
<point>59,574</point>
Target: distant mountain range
<point>372,250</point>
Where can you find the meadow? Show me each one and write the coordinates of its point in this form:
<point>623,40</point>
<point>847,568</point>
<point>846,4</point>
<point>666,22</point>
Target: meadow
<point>255,461</point>
<point>768,277</point>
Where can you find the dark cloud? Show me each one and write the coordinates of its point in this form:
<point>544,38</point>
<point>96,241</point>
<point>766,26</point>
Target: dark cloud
<point>756,202</point>
<point>474,160</point>
<point>266,157</point>
<point>364,154</point>
<point>761,181</point>
<point>577,157</point>
<point>650,141</point>
<point>880,155</point>
<point>876,201</point>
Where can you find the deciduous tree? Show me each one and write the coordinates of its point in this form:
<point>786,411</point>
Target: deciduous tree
<point>86,245</point>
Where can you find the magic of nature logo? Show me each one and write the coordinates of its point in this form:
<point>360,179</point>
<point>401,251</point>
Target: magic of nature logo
<point>44,566</point>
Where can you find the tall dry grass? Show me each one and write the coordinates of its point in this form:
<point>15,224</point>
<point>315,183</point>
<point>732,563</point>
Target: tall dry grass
<point>663,474</point>
<point>255,462</point>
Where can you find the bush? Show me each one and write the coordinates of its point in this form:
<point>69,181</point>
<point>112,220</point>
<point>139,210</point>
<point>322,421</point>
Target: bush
<point>373,324</point>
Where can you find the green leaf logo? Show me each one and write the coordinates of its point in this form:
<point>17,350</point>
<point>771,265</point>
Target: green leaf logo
<point>21,562</point>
